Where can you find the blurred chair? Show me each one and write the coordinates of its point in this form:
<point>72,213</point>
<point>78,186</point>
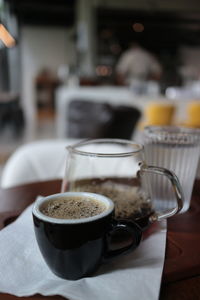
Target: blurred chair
<point>89,119</point>
<point>193,114</point>
<point>125,119</point>
<point>157,113</point>
<point>36,161</point>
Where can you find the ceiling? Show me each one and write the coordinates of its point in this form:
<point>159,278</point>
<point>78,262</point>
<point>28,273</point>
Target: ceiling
<point>44,12</point>
<point>162,30</point>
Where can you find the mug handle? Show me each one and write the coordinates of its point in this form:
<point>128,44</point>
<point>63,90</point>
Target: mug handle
<point>176,187</point>
<point>128,230</point>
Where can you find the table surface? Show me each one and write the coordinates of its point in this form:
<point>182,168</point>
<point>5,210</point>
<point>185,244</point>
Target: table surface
<point>181,273</point>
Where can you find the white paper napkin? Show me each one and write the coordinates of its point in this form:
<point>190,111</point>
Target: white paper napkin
<point>23,271</point>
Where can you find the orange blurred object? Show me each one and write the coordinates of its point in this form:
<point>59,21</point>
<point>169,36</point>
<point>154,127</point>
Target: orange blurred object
<point>6,37</point>
<point>193,114</point>
<point>157,113</point>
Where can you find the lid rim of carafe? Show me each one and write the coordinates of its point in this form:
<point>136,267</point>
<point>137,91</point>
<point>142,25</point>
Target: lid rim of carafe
<point>74,148</point>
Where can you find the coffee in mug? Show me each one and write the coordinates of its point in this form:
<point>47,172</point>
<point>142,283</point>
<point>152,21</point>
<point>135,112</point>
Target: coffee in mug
<point>76,231</point>
<point>73,207</point>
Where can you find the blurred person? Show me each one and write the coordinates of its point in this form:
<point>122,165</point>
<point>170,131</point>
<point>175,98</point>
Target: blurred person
<point>137,63</point>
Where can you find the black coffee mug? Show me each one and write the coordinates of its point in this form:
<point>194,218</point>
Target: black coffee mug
<point>75,248</point>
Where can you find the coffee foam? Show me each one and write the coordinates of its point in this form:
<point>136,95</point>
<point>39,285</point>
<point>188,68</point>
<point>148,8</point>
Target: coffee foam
<point>72,208</point>
<point>104,200</point>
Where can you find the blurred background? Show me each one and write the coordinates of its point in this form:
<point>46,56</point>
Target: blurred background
<point>53,50</point>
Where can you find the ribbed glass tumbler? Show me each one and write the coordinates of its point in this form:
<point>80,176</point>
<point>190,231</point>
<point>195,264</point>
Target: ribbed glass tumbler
<point>177,149</point>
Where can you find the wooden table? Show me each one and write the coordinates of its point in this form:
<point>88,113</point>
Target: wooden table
<point>181,274</point>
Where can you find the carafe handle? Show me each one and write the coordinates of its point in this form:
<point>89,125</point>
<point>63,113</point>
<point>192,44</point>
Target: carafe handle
<point>176,187</point>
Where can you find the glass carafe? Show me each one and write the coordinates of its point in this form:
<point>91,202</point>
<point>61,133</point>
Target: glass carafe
<point>117,169</point>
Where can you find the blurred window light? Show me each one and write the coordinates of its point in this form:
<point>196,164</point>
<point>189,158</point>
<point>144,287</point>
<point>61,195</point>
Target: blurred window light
<point>171,93</point>
<point>138,27</point>
<point>6,37</point>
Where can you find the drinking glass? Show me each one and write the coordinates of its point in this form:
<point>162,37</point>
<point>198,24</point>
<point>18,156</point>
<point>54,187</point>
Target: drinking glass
<point>117,169</point>
<point>175,148</point>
